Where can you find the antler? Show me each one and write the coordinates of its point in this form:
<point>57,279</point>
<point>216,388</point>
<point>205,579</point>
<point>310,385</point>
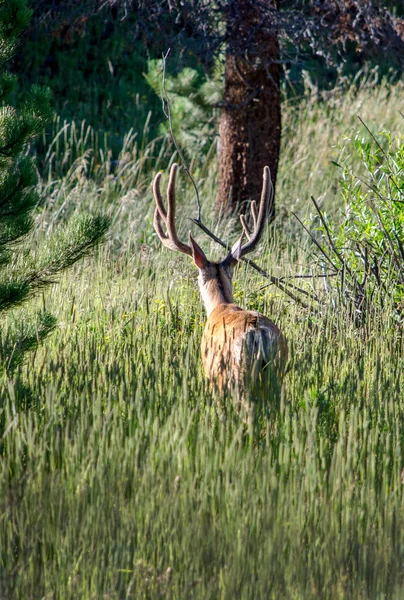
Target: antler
<point>254,214</point>
<point>169,239</point>
<point>259,218</point>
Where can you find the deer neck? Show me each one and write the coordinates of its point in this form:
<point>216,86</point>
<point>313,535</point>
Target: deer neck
<point>216,290</point>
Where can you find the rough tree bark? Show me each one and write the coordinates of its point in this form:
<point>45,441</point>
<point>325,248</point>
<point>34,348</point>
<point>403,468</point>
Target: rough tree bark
<point>250,128</point>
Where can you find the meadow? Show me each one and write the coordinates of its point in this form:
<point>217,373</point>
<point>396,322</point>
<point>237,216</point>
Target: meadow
<point>118,480</point>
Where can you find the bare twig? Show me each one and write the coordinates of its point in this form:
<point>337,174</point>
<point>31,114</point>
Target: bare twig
<point>167,111</point>
<point>315,276</point>
<point>286,278</point>
<point>323,252</point>
<point>327,231</point>
<point>399,243</point>
<point>396,259</point>
<point>374,189</point>
<point>274,280</point>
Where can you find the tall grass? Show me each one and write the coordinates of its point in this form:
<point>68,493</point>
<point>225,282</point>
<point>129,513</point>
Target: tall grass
<point>313,137</point>
<point>79,168</point>
<point>118,478</point>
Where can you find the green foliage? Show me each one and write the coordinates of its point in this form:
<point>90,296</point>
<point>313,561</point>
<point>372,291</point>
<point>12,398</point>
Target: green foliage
<point>119,480</point>
<point>367,247</point>
<point>144,492</point>
<point>17,128</point>
<point>95,70</point>
<point>14,18</point>
<point>194,105</point>
<point>24,268</point>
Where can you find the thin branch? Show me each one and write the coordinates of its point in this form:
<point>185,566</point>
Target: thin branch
<point>167,111</point>
<point>315,276</point>
<point>399,243</point>
<point>327,231</point>
<point>374,189</point>
<point>286,278</point>
<point>380,148</point>
<point>323,252</point>
<point>274,280</point>
<point>390,242</point>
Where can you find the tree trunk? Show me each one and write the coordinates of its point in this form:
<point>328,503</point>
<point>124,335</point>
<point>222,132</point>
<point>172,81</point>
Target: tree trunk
<point>250,128</point>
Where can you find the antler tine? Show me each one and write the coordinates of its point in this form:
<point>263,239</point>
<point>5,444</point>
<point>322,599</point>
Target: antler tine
<point>246,229</point>
<point>159,229</point>
<point>160,212</point>
<point>157,196</point>
<point>170,240</point>
<point>254,214</point>
<point>260,219</point>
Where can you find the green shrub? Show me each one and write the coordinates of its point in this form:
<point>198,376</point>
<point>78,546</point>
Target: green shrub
<point>366,250</point>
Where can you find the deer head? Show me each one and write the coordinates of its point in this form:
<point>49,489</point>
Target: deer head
<point>215,278</point>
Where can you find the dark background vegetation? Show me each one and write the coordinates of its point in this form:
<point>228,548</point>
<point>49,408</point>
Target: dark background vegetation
<point>94,56</point>
<point>98,59</point>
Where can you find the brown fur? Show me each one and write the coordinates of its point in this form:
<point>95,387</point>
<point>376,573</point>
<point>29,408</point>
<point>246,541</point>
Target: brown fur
<point>236,344</point>
<point>225,344</point>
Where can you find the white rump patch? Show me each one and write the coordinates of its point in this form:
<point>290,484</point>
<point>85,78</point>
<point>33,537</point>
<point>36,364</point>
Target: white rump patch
<point>257,346</point>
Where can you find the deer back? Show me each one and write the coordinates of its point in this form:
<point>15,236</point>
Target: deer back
<point>235,342</point>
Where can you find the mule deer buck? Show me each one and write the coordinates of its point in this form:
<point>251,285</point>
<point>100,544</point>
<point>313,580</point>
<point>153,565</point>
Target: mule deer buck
<point>236,344</point>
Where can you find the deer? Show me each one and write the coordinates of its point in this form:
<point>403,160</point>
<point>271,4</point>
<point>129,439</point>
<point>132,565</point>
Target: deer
<point>237,345</point>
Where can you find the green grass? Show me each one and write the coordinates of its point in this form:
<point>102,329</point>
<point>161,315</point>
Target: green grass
<point>117,478</point>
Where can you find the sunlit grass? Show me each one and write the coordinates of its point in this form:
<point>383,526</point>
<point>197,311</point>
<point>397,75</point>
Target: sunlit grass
<point>118,479</point>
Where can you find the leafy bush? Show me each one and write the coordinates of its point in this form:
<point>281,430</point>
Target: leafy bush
<point>366,251</point>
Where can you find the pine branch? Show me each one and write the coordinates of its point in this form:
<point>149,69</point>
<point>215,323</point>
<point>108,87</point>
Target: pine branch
<point>28,337</point>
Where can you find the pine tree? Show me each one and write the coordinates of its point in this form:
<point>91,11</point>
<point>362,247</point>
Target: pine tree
<point>25,270</point>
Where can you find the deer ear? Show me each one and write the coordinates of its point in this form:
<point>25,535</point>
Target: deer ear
<point>198,254</point>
